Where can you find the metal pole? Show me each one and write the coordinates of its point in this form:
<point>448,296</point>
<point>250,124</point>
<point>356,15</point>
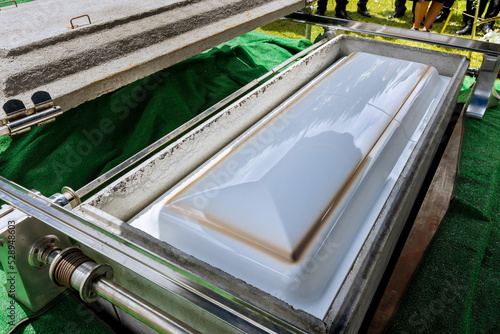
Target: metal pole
<point>474,23</point>
<point>308,31</point>
<point>455,4</point>
<point>139,308</point>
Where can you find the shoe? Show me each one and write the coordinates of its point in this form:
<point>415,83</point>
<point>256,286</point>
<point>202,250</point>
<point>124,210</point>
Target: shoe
<point>342,14</point>
<point>414,29</point>
<point>396,14</point>
<point>443,15</point>
<point>363,11</point>
<point>465,30</point>
<point>486,28</point>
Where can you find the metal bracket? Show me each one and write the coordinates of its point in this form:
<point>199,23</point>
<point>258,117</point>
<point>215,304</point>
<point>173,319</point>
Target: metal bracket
<point>483,97</point>
<point>20,120</point>
<point>21,233</point>
<point>78,17</point>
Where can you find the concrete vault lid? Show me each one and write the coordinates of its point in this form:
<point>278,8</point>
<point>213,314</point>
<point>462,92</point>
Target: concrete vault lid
<point>125,41</point>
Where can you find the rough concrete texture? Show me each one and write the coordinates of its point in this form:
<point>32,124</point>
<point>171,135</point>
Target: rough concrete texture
<point>127,40</point>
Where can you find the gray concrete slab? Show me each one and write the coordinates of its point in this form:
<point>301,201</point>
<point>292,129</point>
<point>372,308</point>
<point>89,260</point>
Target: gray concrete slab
<point>126,40</point>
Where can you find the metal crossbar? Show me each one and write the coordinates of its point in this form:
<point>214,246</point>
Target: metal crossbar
<point>487,73</point>
<point>402,33</point>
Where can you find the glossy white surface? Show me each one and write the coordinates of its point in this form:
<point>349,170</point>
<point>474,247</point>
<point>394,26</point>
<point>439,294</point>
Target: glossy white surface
<point>287,206</point>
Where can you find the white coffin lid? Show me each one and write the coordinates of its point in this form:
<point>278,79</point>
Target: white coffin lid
<point>265,206</point>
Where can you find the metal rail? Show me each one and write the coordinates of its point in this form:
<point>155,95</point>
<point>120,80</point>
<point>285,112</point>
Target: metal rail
<point>403,33</point>
<point>487,74</point>
<point>88,188</point>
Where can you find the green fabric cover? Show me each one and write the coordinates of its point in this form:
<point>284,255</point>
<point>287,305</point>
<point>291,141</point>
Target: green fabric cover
<point>98,135</point>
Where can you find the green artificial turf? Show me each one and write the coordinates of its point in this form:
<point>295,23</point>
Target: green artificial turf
<point>456,288</point>
<point>94,137</point>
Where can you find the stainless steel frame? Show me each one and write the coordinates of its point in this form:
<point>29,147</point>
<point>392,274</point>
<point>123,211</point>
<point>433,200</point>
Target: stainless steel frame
<point>222,302</point>
<point>159,269</point>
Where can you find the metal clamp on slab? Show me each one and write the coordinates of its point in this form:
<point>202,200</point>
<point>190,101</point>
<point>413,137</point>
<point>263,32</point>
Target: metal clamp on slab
<point>20,120</point>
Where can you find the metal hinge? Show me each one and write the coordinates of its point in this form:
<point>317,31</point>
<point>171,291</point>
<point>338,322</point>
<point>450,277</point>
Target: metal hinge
<point>20,120</point>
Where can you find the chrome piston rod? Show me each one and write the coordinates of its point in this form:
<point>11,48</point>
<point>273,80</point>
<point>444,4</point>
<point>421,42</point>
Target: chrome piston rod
<point>137,307</point>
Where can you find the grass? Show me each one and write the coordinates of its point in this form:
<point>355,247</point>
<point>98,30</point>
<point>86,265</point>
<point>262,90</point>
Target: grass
<point>380,10</point>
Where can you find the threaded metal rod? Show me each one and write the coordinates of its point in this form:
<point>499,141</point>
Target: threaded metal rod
<point>72,268</point>
<point>139,308</point>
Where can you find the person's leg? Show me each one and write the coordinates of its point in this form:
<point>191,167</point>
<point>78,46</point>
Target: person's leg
<point>362,9</point>
<point>482,7</point>
<point>448,3</point>
<point>340,10</point>
<point>493,10</point>
<point>445,12</point>
<point>470,10</point>
<point>433,12</point>
<point>399,9</point>
<point>469,19</point>
<point>322,7</point>
<point>400,6</point>
<point>420,9</point>
<point>413,13</point>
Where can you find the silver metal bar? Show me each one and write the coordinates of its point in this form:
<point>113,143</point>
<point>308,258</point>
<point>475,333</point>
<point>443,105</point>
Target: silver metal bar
<point>160,271</point>
<point>27,122</point>
<point>386,31</point>
<point>484,83</point>
<point>202,116</point>
<point>139,308</point>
